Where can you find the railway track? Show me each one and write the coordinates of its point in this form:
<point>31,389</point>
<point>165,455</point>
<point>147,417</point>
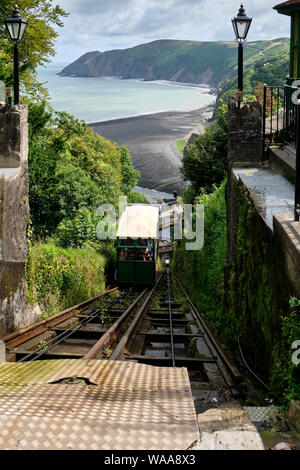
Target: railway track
<point>159,326</point>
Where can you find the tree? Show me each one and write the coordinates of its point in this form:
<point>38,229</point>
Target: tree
<point>71,169</point>
<point>130,176</point>
<point>36,48</point>
<point>204,162</point>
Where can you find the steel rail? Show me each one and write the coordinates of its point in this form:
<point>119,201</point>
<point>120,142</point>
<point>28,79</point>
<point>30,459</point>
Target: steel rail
<point>52,321</point>
<point>110,336</point>
<point>170,318</point>
<point>119,351</point>
<point>229,372</point>
<point>64,335</point>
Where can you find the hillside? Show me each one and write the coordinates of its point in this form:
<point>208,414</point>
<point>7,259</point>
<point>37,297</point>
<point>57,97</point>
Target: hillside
<point>208,63</point>
<point>272,71</point>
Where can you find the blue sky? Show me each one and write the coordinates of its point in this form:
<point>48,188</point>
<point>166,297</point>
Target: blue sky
<point>118,24</point>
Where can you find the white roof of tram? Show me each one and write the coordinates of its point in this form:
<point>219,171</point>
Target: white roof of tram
<point>139,221</point>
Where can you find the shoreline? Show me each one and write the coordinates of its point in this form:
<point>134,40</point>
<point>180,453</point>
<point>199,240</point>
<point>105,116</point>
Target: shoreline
<point>155,113</point>
<point>143,80</point>
<point>150,139</point>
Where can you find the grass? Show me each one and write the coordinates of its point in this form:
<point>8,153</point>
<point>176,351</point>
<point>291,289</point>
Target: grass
<point>60,278</point>
<point>180,145</point>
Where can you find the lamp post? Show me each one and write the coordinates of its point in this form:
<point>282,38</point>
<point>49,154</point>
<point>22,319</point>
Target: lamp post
<point>241,25</point>
<point>16,27</point>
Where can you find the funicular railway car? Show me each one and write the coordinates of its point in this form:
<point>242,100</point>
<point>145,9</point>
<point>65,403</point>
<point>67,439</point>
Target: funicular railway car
<point>137,244</point>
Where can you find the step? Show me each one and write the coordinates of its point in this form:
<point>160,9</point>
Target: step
<point>283,160</point>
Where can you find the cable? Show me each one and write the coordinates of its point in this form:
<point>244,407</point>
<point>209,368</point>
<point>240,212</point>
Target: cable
<point>170,317</point>
<point>250,370</point>
<point>62,336</point>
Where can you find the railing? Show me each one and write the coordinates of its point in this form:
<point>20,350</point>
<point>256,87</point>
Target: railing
<point>279,115</point>
<point>281,124</point>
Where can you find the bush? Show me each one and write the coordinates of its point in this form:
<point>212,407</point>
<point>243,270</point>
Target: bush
<point>285,375</point>
<point>202,272</point>
<point>60,278</point>
<point>71,169</point>
<point>78,231</point>
<point>205,161</point>
<point>136,198</point>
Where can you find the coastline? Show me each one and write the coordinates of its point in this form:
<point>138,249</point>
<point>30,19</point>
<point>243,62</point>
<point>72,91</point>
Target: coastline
<point>150,139</point>
<point>117,120</point>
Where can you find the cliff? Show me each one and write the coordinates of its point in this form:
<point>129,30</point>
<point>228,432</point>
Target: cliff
<point>208,63</point>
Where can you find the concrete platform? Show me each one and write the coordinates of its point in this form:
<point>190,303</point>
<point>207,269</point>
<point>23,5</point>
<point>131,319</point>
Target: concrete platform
<point>283,160</point>
<point>95,405</point>
<point>227,429</point>
<point>271,192</point>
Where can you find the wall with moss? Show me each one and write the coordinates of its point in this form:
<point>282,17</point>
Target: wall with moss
<point>258,292</point>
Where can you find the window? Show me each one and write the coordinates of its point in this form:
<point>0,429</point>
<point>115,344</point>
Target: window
<point>126,243</point>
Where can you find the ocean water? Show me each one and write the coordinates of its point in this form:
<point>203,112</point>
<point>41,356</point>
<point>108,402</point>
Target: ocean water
<point>101,99</point>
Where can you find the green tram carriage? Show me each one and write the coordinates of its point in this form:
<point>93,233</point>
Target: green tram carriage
<point>137,244</point>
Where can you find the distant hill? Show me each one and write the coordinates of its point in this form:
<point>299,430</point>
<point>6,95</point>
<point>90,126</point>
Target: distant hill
<point>209,63</point>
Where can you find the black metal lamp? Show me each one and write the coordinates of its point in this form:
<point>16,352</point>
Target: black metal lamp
<point>16,27</point>
<point>241,25</point>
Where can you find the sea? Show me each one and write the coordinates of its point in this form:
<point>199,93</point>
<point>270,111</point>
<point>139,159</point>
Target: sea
<point>103,99</point>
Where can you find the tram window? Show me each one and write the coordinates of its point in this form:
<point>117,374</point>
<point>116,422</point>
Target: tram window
<point>142,242</point>
<point>126,242</point>
<point>145,243</point>
<point>127,255</point>
<point>145,255</point>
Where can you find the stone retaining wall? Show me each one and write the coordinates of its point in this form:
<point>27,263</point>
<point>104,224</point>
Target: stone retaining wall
<point>14,217</point>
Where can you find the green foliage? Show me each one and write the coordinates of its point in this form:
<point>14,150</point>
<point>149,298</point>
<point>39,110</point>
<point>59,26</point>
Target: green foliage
<point>270,70</point>
<point>192,348</point>
<point>71,169</point>
<point>285,375</point>
<point>180,145</point>
<point>59,278</point>
<point>78,231</point>
<point>37,46</point>
<point>136,198</point>
<point>256,301</point>
<point>130,176</point>
<point>41,344</point>
<point>205,161</point>
<point>202,272</point>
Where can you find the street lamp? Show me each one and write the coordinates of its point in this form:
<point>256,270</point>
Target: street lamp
<point>241,25</point>
<point>16,27</point>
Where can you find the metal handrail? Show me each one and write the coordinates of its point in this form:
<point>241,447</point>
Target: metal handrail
<point>279,116</point>
<point>281,125</point>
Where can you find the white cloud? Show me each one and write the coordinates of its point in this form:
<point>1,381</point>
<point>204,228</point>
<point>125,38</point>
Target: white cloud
<point>109,24</point>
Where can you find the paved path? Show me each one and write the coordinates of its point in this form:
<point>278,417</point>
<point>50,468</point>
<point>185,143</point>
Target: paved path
<point>271,192</point>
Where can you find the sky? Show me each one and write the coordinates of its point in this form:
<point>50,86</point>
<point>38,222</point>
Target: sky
<point>117,24</point>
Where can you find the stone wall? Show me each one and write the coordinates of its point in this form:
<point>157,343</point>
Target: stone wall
<point>263,261</point>
<point>14,218</point>
<point>245,142</point>
<point>258,288</point>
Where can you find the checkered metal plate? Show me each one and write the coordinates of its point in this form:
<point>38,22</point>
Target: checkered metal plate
<point>260,413</point>
<point>123,406</point>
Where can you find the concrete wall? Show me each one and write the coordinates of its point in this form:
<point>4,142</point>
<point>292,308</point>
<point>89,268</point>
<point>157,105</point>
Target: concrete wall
<point>14,217</point>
